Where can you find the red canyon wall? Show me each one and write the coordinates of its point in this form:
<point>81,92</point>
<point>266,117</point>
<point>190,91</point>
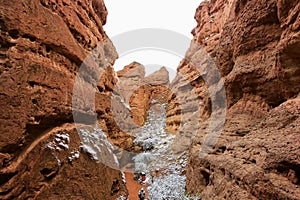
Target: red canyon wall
<point>43,43</point>
<point>255,46</point>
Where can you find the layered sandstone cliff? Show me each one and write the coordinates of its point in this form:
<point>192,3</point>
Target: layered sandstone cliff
<point>254,45</point>
<point>43,44</point>
<point>140,91</point>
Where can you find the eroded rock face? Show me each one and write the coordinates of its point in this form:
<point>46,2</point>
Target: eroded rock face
<point>254,158</point>
<point>140,92</point>
<point>43,44</point>
<point>253,45</point>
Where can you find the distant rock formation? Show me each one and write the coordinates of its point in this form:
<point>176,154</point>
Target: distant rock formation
<point>140,92</point>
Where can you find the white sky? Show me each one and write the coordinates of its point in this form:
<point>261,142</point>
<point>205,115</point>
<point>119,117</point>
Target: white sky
<point>128,15</point>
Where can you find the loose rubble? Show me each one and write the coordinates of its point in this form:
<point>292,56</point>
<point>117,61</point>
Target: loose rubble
<point>164,168</point>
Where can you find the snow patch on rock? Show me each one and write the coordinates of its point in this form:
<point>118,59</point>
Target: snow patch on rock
<point>122,197</point>
<point>163,167</point>
<point>74,155</point>
<point>96,145</point>
<point>60,142</point>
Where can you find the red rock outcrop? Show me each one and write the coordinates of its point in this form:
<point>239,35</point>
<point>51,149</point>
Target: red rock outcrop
<point>42,45</point>
<point>254,158</point>
<point>139,91</point>
<point>255,47</point>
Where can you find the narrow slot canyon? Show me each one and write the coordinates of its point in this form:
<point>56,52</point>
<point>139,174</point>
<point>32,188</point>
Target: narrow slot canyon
<point>91,115</point>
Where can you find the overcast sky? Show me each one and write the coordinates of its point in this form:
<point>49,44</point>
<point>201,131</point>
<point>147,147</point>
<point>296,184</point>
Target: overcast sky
<point>125,15</point>
<point>128,15</point>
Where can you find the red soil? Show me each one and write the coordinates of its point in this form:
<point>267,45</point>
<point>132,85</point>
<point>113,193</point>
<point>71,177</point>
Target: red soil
<point>134,187</point>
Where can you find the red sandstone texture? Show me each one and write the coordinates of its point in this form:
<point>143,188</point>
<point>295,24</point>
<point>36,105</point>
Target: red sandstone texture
<point>140,92</point>
<point>255,46</point>
<point>42,45</point>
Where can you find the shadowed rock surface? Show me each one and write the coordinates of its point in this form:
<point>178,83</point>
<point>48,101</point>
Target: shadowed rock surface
<point>43,44</point>
<point>255,47</point>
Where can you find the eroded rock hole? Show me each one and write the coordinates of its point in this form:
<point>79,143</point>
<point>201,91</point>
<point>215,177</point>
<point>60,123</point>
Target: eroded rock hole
<point>5,177</point>
<point>30,37</point>
<point>115,188</point>
<point>31,83</point>
<point>14,34</point>
<point>205,174</point>
<point>288,170</point>
<point>34,101</point>
<point>48,49</point>
<point>48,173</point>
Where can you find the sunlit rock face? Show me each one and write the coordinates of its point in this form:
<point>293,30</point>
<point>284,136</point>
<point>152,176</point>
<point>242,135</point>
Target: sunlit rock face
<point>140,92</point>
<point>255,47</point>
<point>43,44</point>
